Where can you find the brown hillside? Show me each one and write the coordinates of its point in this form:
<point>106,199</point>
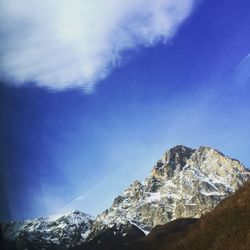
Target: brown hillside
<point>227,227</point>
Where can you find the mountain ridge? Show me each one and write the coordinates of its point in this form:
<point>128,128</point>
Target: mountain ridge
<point>62,230</point>
<point>184,183</point>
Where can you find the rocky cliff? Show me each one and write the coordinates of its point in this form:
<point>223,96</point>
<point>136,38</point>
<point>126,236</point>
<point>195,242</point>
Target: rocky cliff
<point>183,183</point>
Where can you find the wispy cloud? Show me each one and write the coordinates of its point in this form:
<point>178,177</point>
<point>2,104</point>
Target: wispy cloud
<point>59,44</point>
<point>242,72</point>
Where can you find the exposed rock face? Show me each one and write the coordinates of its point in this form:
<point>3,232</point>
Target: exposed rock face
<point>53,232</point>
<point>184,183</point>
<point>226,227</point>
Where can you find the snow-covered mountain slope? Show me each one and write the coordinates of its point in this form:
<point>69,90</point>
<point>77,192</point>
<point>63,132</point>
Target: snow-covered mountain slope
<point>184,183</point>
<point>53,232</point>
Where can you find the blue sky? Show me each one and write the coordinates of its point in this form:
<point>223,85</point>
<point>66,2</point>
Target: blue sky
<point>77,144</point>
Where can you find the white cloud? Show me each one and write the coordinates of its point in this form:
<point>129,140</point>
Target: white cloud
<point>62,43</point>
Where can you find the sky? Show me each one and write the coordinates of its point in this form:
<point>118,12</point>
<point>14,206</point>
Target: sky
<point>91,96</point>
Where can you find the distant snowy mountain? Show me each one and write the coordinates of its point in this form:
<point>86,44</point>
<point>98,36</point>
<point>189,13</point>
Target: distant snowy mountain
<point>183,183</point>
<point>53,232</point>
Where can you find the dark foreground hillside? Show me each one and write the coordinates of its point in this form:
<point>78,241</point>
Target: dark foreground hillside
<point>227,227</point>
<point>112,239</point>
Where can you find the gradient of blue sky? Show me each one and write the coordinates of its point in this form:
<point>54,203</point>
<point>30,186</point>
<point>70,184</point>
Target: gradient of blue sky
<point>194,90</point>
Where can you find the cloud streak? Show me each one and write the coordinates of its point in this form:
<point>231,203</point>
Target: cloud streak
<point>60,44</point>
<point>242,72</point>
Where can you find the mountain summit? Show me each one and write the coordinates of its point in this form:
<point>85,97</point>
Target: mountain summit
<point>184,183</point>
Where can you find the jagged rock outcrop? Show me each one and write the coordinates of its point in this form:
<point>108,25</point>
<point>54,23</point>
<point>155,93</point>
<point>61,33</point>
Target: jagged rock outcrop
<point>53,232</point>
<point>184,183</point>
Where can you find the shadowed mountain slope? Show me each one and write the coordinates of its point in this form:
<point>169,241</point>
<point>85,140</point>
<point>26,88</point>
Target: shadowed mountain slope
<point>113,238</point>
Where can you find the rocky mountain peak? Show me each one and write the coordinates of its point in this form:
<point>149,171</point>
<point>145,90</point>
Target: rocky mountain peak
<point>209,160</point>
<point>172,162</point>
<point>184,183</point>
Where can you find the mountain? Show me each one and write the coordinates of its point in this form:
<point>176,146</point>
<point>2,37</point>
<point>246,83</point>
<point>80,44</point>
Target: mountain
<point>53,232</point>
<point>183,183</point>
<point>226,227</point>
